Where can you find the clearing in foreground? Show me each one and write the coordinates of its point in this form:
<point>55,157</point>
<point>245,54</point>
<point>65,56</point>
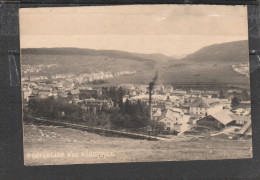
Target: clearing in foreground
<point>51,145</point>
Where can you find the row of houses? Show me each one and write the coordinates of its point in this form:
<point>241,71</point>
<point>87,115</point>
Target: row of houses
<point>93,104</point>
<point>36,68</point>
<point>175,120</point>
<point>202,111</point>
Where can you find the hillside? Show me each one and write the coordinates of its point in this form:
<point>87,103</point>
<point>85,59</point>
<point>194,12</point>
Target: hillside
<point>209,65</point>
<point>228,53</point>
<point>77,52</point>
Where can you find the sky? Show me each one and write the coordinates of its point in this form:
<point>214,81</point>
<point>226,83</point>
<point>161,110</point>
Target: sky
<point>173,30</point>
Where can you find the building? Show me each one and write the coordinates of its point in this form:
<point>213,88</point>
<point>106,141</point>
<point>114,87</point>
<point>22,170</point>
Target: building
<point>178,92</point>
<point>75,93</point>
<point>218,120</point>
<point>44,94</point>
<point>26,95</point>
<point>223,118</point>
<point>226,103</point>
<point>168,102</point>
<point>34,78</point>
<point>242,111</point>
<point>25,78</point>
<point>240,120</point>
<point>204,106</point>
<point>64,94</point>
<point>246,129</point>
<point>185,108</point>
<point>168,89</point>
<point>58,86</point>
<point>156,114</point>
<point>230,91</point>
<point>125,97</point>
<point>34,92</point>
<point>87,93</point>
<point>94,104</point>
<point>173,119</point>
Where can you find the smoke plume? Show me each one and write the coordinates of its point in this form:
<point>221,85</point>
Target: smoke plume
<point>151,84</point>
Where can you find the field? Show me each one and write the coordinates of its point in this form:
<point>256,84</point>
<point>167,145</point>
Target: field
<point>49,145</point>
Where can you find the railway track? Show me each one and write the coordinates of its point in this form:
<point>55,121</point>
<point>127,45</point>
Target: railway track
<point>98,130</point>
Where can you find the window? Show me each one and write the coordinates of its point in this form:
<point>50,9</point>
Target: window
<point>168,128</point>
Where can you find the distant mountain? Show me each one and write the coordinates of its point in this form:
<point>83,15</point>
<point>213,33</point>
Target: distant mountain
<point>91,52</point>
<point>228,53</point>
<point>77,60</point>
<point>209,65</point>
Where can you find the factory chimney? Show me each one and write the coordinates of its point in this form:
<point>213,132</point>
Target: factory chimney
<point>151,86</point>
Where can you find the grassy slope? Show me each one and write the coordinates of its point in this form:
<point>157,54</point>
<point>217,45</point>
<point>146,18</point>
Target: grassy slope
<point>43,139</point>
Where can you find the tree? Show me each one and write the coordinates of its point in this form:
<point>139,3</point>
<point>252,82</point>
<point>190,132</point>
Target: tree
<point>235,102</point>
<point>221,94</point>
<point>245,95</point>
<point>159,126</point>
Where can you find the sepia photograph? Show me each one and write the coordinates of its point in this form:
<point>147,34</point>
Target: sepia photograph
<point>135,83</point>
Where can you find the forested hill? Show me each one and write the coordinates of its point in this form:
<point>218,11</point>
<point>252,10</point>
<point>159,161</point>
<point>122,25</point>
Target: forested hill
<point>77,52</point>
<point>232,52</point>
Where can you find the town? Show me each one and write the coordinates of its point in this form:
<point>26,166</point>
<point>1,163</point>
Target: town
<point>168,110</point>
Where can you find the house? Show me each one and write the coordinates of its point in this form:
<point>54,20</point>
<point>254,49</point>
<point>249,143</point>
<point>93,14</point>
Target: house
<point>75,93</point>
<point>34,78</point>
<point>125,97</point>
<point>45,88</point>
<point>87,93</point>
<point>26,95</point>
<point>90,104</point>
<point>59,76</point>
<point>170,119</point>
<point>173,119</point>
<point>205,106</point>
<point>156,114</point>
<point>230,91</point>
<point>240,120</point>
<point>43,77</point>
<point>133,93</point>
<point>34,92</point>
<point>44,94</point>
<point>168,89</point>
<point>242,111</point>
<point>185,108</point>
<point>222,119</point>
<point>212,94</point>
<point>226,103</point>
<point>195,93</point>
<point>168,102</point>
<point>141,89</point>
<point>178,92</point>
<point>65,93</point>
<point>160,107</point>
<point>217,120</point>
<point>246,129</point>
<point>25,78</point>
<point>58,86</point>
<point>234,93</point>
<point>156,89</point>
